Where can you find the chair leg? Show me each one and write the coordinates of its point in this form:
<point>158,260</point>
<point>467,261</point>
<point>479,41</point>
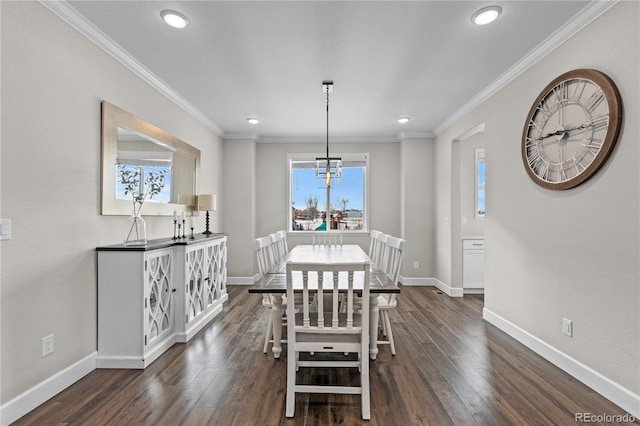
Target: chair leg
<point>364,382</point>
<point>389,333</point>
<point>291,382</point>
<point>268,336</point>
<point>383,324</point>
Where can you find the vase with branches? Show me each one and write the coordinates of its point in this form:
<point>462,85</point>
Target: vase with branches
<point>140,187</point>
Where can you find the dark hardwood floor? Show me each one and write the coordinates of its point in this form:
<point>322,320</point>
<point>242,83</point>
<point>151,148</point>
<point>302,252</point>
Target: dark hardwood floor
<point>452,368</point>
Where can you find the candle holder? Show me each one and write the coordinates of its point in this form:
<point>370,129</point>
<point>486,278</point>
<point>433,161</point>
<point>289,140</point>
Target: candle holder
<point>184,228</point>
<point>175,222</point>
<point>192,237</point>
<point>179,227</point>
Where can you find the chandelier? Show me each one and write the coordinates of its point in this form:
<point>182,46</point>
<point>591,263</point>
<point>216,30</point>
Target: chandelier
<point>328,168</point>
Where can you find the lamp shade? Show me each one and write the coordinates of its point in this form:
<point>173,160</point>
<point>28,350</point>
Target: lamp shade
<point>206,202</point>
<point>186,199</point>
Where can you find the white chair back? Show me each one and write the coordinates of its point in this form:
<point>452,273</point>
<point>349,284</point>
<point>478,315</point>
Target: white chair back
<point>380,251</point>
<point>277,246</point>
<point>394,253</point>
<point>264,254</point>
<point>330,329</point>
<point>376,246</point>
<point>327,239</point>
<point>390,264</point>
<point>283,234</point>
<point>373,242</point>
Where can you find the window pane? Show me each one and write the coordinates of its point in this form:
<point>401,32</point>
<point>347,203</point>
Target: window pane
<point>130,177</point>
<point>309,198</point>
<point>480,183</point>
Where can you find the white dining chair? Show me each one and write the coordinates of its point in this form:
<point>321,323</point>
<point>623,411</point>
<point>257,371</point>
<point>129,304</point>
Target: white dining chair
<point>376,245</point>
<point>329,330</point>
<point>392,261</point>
<point>327,239</point>
<point>285,245</point>
<point>266,260</point>
<point>277,246</point>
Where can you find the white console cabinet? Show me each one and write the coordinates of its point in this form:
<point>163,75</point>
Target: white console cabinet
<point>204,275</point>
<point>151,297</point>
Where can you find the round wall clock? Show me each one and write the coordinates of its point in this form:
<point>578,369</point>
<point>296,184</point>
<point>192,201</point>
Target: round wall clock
<point>571,129</point>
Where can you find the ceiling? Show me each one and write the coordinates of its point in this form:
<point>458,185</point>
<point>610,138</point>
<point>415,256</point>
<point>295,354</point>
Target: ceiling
<point>267,59</point>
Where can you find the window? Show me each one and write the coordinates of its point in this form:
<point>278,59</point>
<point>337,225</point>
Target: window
<point>347,195</point>
<point>479,183</point>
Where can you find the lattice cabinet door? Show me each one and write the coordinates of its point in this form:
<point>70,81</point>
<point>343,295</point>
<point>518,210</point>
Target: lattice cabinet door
<point>159,291</point>
<point>195,283</point>
<point>216,271</point>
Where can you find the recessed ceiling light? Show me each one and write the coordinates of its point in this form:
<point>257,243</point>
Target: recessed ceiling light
<point>403,120</point>
<point>174,19</point>
<point>252,120</point>
<point>486,15</point>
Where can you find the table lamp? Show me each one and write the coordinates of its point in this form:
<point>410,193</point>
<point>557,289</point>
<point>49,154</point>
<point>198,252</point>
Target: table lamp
<point>206,202</point>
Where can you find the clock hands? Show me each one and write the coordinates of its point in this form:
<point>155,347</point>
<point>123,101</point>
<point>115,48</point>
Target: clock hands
<point>564,132</point>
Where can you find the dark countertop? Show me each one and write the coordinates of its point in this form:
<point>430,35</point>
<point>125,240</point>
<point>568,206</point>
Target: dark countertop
<point>162,243</point>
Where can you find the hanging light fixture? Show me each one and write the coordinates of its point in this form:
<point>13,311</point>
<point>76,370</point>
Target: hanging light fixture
<point>328,168</point>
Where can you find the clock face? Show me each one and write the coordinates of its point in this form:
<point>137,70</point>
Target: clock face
<point>571,129</point>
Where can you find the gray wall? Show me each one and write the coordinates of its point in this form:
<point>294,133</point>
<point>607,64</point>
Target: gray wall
<point>401,188</point>
<point>549,254</point>
<point>53,80</point>
<point>555,254</point>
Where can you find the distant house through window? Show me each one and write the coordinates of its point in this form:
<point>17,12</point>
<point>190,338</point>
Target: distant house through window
<point>480,183</point>
<point>308,195</point>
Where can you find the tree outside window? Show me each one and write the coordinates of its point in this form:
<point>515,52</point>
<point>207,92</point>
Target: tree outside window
<point>308,195</point>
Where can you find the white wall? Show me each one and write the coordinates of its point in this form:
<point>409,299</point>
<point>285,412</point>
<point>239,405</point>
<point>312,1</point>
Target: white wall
<point>417,208</point>
<point>240,209</point>
<point>555,254</point>
<point>401,200</point>
<point>53,80</point>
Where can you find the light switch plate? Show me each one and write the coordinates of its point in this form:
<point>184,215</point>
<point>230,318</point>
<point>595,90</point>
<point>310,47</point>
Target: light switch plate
<point>5,229</point>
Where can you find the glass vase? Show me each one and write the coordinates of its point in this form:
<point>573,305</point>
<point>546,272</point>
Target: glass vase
<point>135,233</point>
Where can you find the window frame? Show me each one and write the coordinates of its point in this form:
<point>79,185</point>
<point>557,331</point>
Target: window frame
<point>346,158</point>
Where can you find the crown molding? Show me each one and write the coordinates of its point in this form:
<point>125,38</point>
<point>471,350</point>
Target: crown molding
<point>323,139</point>
<point>424,135</point>
<point>587,15</point>
<point>71,16</point>
<point>240,136</point>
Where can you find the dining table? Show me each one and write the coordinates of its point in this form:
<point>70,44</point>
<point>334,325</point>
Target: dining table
<point>274,282</point>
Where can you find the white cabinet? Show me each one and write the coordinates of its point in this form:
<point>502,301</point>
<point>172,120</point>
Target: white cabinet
<point>159,301</point>
<point>473,263</point>
<point>204,273</point>
<point>152,297</point>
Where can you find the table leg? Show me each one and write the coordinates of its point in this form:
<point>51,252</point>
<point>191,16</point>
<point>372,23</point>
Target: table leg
<point>276,321</point>
<point>373,326</point>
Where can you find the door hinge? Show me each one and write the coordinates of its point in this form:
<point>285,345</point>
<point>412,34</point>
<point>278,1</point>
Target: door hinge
<point>145,340</point>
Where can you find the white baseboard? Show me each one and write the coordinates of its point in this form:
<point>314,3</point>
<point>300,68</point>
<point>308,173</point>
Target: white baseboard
<point>242,280</point>
<point>417,281</point>
<point>432,282</point>
<point>30,399</point>
<point>606,387</point>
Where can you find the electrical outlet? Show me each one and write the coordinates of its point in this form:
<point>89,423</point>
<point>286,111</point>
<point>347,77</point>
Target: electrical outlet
<point>47,345</point>
<point>416,264</point>
<point>567,327</point>
<point>5,229</point>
